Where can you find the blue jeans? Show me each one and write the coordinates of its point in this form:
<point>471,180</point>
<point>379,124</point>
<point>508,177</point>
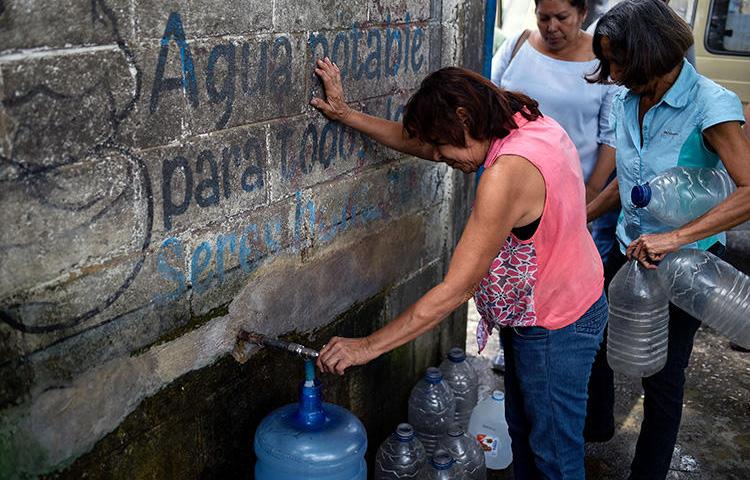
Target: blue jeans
<point>546,378</point>
<point>603,233</point>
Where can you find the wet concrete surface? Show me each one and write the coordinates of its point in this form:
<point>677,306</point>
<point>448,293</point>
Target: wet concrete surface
<point>714,438</point>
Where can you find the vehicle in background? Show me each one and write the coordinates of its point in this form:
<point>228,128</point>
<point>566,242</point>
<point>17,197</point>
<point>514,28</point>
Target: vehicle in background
<point>721,29</point>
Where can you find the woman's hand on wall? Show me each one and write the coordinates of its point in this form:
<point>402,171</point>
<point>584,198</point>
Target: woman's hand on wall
<point>334,106</point>
<point>341,353</point>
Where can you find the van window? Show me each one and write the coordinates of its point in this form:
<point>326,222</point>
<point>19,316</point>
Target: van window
<point>728,29</point>
<point>685,9</point>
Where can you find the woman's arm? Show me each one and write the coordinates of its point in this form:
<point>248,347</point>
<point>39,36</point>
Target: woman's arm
<point>389,133</point>
<point>605,160</point>
<point>608,199</point>
<point>733,148</point>
<point>510,191</point>
<point>605,165</point>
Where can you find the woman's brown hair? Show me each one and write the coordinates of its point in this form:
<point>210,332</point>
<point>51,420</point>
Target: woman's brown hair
<point>432,112</point>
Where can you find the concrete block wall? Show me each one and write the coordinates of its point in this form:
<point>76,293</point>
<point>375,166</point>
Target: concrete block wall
<point>164,183</point>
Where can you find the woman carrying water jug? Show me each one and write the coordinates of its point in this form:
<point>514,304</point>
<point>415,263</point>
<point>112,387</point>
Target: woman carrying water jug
<point>668,116</point>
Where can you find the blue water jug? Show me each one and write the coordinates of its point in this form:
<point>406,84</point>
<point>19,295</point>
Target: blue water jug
<point>311,440</point>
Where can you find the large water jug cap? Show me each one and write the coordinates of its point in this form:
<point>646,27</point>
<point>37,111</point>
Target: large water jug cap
<point>310,413</point>
<point>442,460</point>
<point>433,375</point>
<point>456,355</point>
<point>404,432</point>
<point>640,195</point>
<point>498,395</point>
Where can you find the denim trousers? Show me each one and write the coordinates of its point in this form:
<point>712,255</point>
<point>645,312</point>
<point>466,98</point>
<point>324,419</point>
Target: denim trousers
<point>546,378</point>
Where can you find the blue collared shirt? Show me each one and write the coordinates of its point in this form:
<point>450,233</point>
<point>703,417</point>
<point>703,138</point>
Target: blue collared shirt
<point>672,136</point>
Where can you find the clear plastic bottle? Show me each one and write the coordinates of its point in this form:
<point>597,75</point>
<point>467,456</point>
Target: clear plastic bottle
<point>488,426</point>
<point>462,379</point>
<point>709,289</point>
<point>638,329</point>
<point>400,456</point>
<point>441,467</point>
<point>466,451</point>
<point>431,408</point>
<point>679,195</point>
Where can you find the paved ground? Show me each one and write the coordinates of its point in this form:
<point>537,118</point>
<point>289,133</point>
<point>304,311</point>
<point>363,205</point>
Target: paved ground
<point>714,440</point>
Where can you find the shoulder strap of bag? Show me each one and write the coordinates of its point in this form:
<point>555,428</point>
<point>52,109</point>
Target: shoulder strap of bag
<point>519,43</point>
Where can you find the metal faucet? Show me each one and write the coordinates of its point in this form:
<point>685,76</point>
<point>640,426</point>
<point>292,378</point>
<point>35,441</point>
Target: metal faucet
<point>295,348</point>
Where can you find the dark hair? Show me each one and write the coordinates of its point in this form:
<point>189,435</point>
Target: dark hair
<point>646,38</point>
<point>579,5</point>
<point>431,115</point>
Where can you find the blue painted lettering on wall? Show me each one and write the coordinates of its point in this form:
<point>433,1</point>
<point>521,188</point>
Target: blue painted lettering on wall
<point>209,260</point>
<point>174,31</point>
<point>325,146</point>
<point>333,141</point>
<point>360,53</point>
<point>212,183</point>
<point>387,50</point>
<point>168,272</point>
<point>273,76</point>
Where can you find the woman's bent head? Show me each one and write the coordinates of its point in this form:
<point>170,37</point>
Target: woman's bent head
<point>453,104</point>
<point>639,41</point>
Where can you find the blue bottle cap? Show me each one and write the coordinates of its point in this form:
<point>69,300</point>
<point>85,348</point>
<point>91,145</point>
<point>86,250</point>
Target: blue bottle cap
<point>404,432</point>
<point>433,375</point>
<point>640,195</point>
<point>498,395</point>
<point>442,460</point>
<point>456,355</point>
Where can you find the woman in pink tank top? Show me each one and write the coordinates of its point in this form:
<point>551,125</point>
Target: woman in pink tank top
<point>525,255</point>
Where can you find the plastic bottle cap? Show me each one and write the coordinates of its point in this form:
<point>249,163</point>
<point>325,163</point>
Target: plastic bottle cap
<point>640,195</point>
<point>404,432</point>
<point>442,460</point>
<point>455,432</point>
<point>433,375</point>
<point>456,355</point>
<point>498,395</point>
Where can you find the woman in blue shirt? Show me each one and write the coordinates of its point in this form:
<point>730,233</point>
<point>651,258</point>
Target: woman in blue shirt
<point>670,115</point>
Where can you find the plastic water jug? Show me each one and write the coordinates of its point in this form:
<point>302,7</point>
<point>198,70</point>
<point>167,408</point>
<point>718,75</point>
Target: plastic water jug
<point>679,195</point>
<point>467,453</point>
<point>462,379</point>
<point>431,408</point>
<point>441,467</point>
<point>311,440</point>
<point>709,289</point>
<point>638,330</point>
<point>488,426</point>
<point>400,456</point>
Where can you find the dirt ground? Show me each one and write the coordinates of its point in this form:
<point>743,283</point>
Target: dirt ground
<point>714,439</point>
